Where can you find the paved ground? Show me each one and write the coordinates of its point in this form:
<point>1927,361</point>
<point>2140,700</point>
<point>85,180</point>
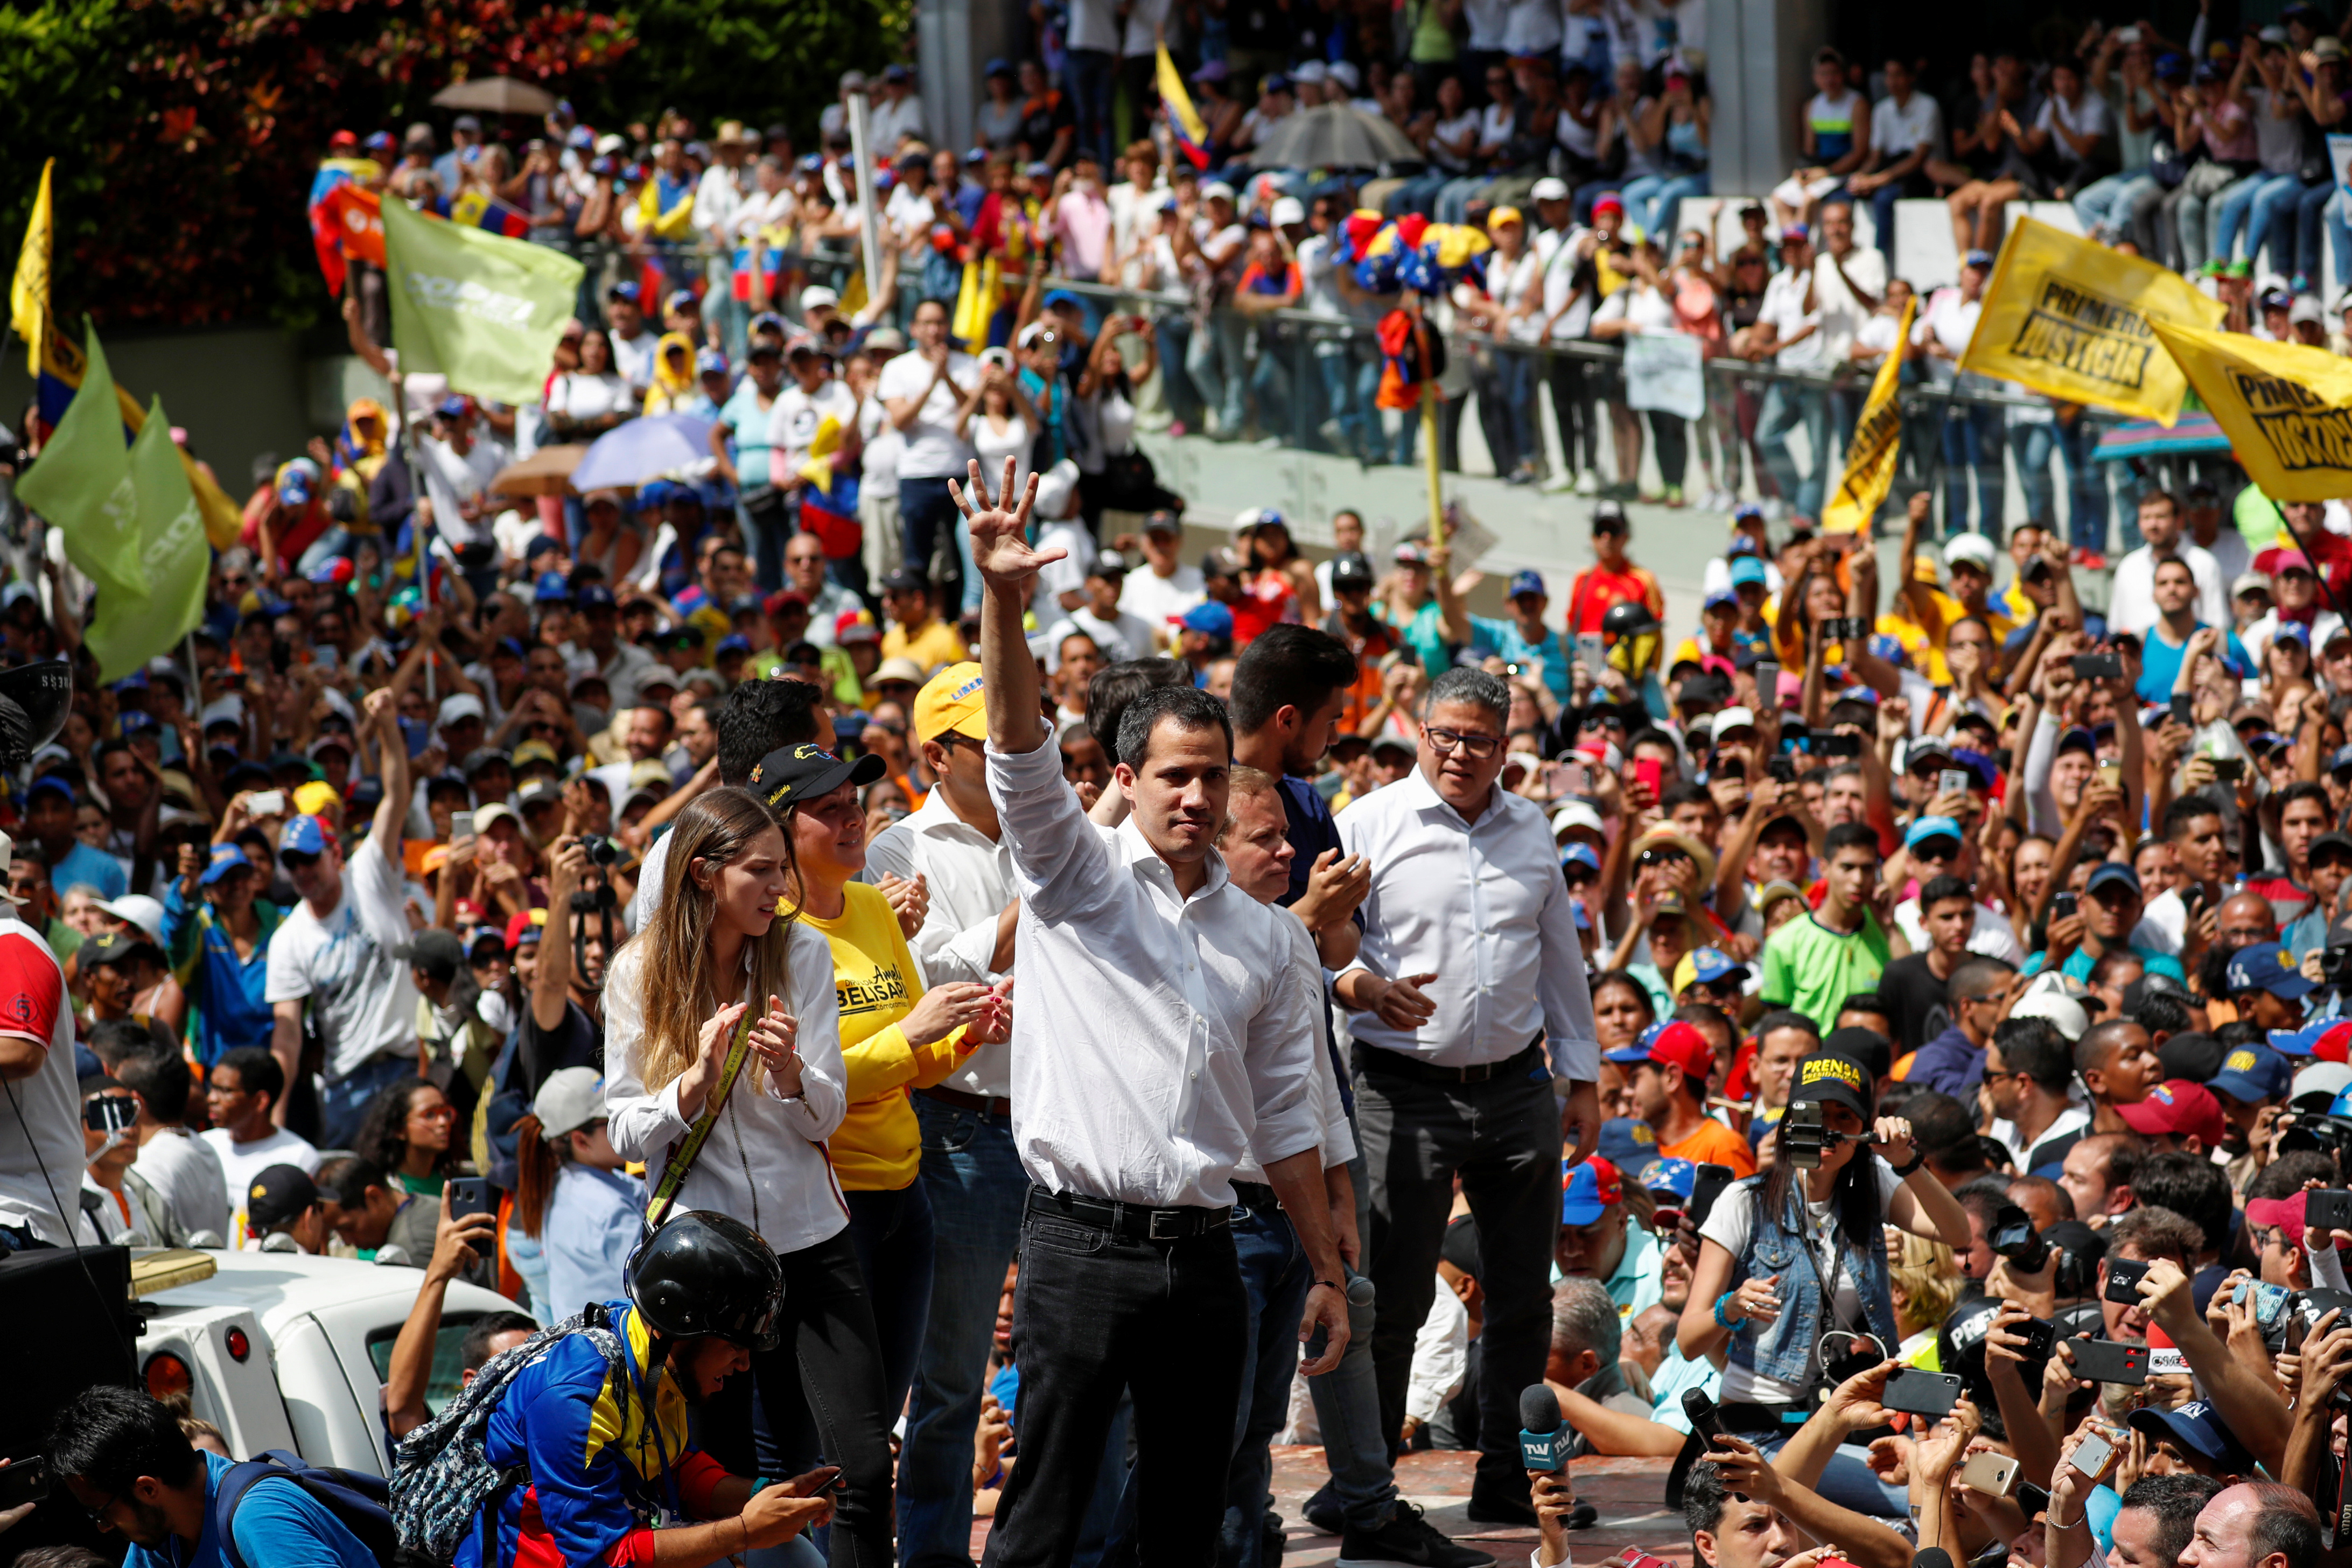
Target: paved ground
<point>1628,1493</point>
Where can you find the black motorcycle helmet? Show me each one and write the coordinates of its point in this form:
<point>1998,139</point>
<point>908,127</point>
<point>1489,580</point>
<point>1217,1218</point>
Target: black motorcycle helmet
<point>706,1274</point>
<point>33,702</point>
<point>1627,618</point>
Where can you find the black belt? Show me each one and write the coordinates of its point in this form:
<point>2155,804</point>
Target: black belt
<point>986,1104</point>
<point>1130,1222</point>
<point>1397,1064</point>
<point>1255,1197</point>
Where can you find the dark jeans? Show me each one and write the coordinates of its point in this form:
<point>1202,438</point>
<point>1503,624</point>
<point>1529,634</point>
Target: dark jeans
<point>1167,1321</point>
<point>1276,1278</point>
<point>1089,72</point>
<point>972,1176</point>
<point>1502,1138</point>
<point>1573,410</point>
<point>925,508</point>
<point>892,1233</point>
<point>767,529</point>
<point>820,1393</point>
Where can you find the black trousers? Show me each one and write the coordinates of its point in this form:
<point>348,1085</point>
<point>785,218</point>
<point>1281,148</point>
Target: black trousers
<point>1502,1137</point>
<point>1091,1316</point>
<point>818,1395</point>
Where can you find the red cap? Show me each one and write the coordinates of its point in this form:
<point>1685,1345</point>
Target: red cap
<point>2336,1046</point>
<point>2277,559</point>
<point>2277,1214</point>
<point>1680,1044</point>
<point>783,599</point>
<point>2179,1108</point>
<point>528,921</point>
<point>341,139</point>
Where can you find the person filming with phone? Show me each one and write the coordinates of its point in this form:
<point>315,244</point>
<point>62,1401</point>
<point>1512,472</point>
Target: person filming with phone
<point>1793,1263</point>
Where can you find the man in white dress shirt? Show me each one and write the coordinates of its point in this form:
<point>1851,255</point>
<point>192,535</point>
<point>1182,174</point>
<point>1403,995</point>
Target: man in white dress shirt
<point>2131,601</point>
<point>1471,1001</point>
<point>972,1171</point>
<point>1160,1041</point>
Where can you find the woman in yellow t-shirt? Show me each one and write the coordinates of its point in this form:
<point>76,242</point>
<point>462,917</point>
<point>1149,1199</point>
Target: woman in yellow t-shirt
<point>896,1036</point>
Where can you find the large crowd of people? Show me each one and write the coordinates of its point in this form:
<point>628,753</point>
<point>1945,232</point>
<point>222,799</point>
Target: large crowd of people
<point>1401,1008</point>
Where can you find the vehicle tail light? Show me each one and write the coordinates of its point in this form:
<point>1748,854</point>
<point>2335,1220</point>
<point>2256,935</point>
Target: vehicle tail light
<point>167,1375</point>
<point>240,1346</point>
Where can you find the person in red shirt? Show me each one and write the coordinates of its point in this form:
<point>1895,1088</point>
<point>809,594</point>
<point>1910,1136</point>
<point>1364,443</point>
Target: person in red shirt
<point>1613,579</point>
<point>1670,1063</point>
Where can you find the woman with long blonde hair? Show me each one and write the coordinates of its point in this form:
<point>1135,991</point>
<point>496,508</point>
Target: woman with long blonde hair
<point>724,941</point>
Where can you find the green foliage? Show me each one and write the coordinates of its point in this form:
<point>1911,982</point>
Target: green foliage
<point>187,132</point>
<point>764,62</point>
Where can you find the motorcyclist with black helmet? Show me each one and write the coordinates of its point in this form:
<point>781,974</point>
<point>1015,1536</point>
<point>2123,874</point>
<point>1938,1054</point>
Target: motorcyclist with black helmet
<point>597,1444</point>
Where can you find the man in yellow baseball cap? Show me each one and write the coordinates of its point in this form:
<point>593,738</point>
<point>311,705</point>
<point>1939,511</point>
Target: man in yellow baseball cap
<point>950,701</point>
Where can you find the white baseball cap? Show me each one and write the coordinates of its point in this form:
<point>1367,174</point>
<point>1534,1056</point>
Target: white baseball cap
<point>1216,188</point>
<point>1549,189</point>
<point>1973,548</point>
<point>457,705</point>
<point>1576,813</point>
<point>816,296</point>
<point>1288,210</point>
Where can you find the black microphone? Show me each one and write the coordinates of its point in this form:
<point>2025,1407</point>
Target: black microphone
<point>1542,1444</point>
<point>1934,1557</point>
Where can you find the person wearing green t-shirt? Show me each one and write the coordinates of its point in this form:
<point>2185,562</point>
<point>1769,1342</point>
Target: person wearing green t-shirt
<point>1813,963</point>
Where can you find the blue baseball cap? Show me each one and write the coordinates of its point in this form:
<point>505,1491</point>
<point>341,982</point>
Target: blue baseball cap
<point>1209,617</point>
<point>302,835</point>
<point>1669,1175</point>
<point>1590,1188</point>
<point>594,596</point>
<point>2251,1073</point>
<point>226,857</point>
<point>553,588</point>
<point>2303,1042</point>
<point>50,784</point>
<point>1626,1142</point>
<point>710,361</point>
<point>1579,852</point>
<point>623,291</point>
<point>137,721</point>
<point>1057,296</point>
<point>1527,582</point>
<point>733,642</point>
<point>679,299</point>
<point>2194,1427</point>
<point>1746,569</point>
<point>1747,510</point>
<point>2269,969</point>
<point>1710,965</point>
<point>1721,599</point>
<point>2110,873</point>
<point>294,487</point>
<point>1928,828</point>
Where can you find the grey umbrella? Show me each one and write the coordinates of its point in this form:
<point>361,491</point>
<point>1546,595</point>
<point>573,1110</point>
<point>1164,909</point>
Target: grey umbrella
<point>496,95</point>
<point>1333,137</point>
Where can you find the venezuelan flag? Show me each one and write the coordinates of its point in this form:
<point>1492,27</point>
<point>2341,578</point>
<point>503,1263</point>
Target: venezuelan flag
<point>1192,131</point>
<point>476,208</point>
<point>335,174</point>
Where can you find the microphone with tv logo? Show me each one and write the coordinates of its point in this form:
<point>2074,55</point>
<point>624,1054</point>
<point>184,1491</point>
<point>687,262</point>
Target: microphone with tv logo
<point>1543,1443</point>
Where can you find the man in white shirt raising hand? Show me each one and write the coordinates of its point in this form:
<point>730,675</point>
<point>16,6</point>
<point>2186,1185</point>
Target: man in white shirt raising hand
<point>1159,1042</point>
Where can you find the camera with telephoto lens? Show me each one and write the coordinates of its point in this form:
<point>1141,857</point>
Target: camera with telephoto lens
<point>2302,1129</point>
<point>2013,1236</point>
<point>1805,1137</point>
<point>2336,967</point>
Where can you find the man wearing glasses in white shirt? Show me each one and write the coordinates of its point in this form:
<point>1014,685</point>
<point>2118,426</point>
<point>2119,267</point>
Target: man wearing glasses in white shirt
<point>1471,1001</point>
<point>1160,1041</point>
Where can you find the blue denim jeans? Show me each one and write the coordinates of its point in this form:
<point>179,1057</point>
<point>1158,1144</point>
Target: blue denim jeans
<point>1090,76</point>
<point>1787,404</point>
<point>2105,206</point>
<point>974,1181</point>
<point>344,1100</point>
<point>1653,200</point>
<point>892,1233</point>
<point>1216,361</point>
<point>2226,214</point>
<point>1972,446</point>
<point>2271,221</point>
<point>2086,522</point>
<point>925,507</point>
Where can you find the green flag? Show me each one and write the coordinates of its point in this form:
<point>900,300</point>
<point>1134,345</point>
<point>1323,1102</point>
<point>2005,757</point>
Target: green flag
<point>126,631</point>
<point>82,484</point>
<point>483,310</point>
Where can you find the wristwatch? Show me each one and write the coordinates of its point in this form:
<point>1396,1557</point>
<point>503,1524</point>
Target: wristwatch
<point>1919,1158</point>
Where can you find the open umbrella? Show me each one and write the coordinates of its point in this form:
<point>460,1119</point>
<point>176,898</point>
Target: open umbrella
<point>1333,136</point>
<point>629,455</point>
<point>496,95</point>
<point>543,473</point>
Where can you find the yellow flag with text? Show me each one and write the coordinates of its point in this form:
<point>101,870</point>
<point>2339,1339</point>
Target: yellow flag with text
<point>2071,318</point>
<point>2286,408</point>
<point>28,290</point>
<point>1871,450</point>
